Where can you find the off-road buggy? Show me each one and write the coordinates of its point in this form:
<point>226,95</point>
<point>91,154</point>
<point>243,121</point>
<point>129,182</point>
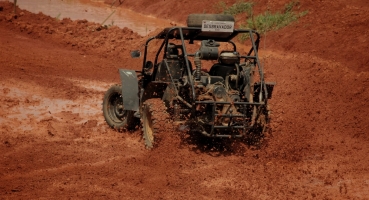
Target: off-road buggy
<point>228,100</point>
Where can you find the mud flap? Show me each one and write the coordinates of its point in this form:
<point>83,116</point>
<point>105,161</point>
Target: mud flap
<point>129,89</point>
<point>269,86</point>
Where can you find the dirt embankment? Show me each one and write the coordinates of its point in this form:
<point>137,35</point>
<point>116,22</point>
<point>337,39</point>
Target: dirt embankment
<point>331,30</point>
<point>54,142</point>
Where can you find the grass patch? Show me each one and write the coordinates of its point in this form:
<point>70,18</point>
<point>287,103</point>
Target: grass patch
<point>273,21</point>
<point>264,22</point>
<point>237,8</point>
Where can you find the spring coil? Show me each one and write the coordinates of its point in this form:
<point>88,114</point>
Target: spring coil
<point>197,62</point>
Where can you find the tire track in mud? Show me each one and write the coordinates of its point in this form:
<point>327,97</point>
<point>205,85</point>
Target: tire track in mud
<point>71,166</point>
<point>179,167</point>
<point>211,172</point>
<point>45,136</point>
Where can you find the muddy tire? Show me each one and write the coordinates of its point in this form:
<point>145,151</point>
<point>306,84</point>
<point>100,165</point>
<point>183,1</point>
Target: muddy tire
<point>249,86</point>
<point>262,121</point>
<point>155,121</point>
<point>195,20</point>
<point>113,110</point>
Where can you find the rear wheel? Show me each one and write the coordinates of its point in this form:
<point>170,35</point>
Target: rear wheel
<point>155,121</point>
<point>114,113</point>
<point>262,121</point>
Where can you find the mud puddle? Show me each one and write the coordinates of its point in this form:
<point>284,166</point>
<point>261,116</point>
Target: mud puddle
<point>94,11</point>
<point>24,106</point>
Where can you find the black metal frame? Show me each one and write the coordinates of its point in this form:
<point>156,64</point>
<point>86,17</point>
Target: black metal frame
<point>195,34</point>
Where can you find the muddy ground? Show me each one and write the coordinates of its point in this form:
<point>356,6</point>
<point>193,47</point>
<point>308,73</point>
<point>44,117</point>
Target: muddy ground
<point>54,143</point>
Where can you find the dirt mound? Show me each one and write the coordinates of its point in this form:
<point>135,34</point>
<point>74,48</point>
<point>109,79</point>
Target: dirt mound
<point>336,31</point>
<point>55,143</point>
<point>80,35</point>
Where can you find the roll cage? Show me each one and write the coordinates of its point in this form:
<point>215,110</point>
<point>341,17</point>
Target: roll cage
<point>192,34</point>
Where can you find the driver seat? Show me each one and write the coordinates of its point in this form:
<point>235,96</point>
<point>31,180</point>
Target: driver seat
<point>175,65</point>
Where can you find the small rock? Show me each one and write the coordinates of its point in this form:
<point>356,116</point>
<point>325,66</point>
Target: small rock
<point>16,190</point>
<point>6,90</point>
<point>9,18</point>
<point>7,143</point>
<point>50,133</point>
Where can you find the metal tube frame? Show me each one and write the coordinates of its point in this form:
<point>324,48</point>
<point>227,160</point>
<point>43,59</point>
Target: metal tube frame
<point>255,57</point>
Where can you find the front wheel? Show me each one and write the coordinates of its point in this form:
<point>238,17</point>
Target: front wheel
<point>155,121</point>
<point>114,113</point>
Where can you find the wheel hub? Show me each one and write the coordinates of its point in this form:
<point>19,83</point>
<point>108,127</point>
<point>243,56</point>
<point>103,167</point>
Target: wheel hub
<point>118,109</point>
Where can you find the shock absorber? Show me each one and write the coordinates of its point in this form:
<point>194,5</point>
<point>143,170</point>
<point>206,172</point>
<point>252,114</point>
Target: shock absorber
<point>197,62</point>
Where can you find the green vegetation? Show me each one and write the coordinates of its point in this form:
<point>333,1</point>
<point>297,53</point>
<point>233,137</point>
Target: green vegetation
<point>237,8</point>
<point>273,21</point>
<point>264,22</point>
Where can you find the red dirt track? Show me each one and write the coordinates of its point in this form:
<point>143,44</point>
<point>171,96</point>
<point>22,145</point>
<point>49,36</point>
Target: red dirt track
<point>54,143</point>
